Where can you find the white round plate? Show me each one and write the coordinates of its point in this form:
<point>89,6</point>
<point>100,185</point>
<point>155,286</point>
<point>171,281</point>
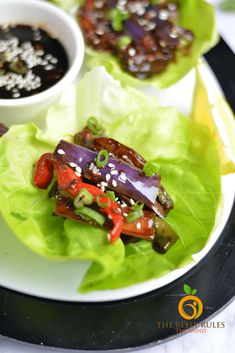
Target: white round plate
<point>26,272</point>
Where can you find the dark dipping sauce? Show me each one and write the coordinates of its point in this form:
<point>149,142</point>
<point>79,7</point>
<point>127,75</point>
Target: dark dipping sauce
<point>31,61</point>
<point>143,35</point>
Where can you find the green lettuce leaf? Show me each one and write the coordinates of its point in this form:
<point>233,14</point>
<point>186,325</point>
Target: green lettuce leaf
<point>182,151</point>
<point>228,5</point>
<point>66,5</point>
<point>29,212</point>
<point>196,15</point>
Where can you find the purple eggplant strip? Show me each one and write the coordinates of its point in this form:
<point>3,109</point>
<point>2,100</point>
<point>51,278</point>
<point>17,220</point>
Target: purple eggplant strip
<point>115,175</point>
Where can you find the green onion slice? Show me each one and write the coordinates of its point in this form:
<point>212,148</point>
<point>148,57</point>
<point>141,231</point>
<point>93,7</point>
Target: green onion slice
<point>134,215</point>
<point>103,201</point>
<point>137,206</point>
<point>102,158</point>
<point>90,215</point>
<point>111,195</point>
<point>83,198</point>
<point>124,41</point>
<point>94,126</point>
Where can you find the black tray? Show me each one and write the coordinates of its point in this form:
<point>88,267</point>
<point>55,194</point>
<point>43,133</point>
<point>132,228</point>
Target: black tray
<point>133,322</point>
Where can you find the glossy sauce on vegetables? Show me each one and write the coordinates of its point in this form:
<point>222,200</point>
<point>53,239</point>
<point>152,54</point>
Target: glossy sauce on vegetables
<point>31,61</point>
<point>143,35</point>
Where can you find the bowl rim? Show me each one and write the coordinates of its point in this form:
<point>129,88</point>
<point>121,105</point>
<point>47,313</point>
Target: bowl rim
<point>74,65</point>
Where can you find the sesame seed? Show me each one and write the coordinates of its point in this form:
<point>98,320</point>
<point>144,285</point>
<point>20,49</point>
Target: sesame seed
<point>107,177</point>
<point>78,174</point>
<point>138,225</point>
<point>114,172</point>
<point>125,214</point>
<point>114,183</point>
<point>104,183</point>
<point>152,237</point>
<point>123,204</point>
<point>102,188</point>
<point>108,236</point>
<point>54,60</point>
<point>111,165</point>
<point>79,169</point>
<point>49,67</point>
<point>123,176</point>
<point>131,51</point>
<point>60,151</point>
<point>73,165</point>
<point>150,223</point>
<point>80,159</point>
<point>124,156</point>
<point>119,209</point>
<point>172,7</point>
<point>163,14</point>
<point>110,217</point>
<point>132,202</point>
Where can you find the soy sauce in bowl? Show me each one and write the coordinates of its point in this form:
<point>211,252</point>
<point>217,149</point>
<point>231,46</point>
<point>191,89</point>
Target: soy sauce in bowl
<point>31,61</point>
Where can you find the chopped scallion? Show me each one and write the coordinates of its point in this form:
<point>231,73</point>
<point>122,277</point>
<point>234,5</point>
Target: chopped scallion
<point>103,201</point>
<point>102,158</point>
<point>83,198</point>
<point>90,215</point>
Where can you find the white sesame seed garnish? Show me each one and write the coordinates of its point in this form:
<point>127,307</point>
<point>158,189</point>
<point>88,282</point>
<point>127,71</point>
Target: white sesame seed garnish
<point>110,217</point>
<point>138,225</point>
<point>152,237</point>
<point>102,188</point>
<point>163,14</point>
<point>78,174</point>
<point>172,6</point>
<point>99,31</point>
<point>114,183</point>
<point>173,35</point>
<point>123,204</point>
<point>123,176</point>
<point>114,172</point>
<point>73,165</point>
<point>111,165</point>
<point>131,51</point>
<point>49,67</point>
<point>54,60</point>
<point>80,159</point>
<point>108,236</point>
<point>78,169</point>
<point>107,177</point>
<point>124,156</point>
<point>104,183</point>
<point>132,202</point>
<point>60,151</point>
<point>150,223</point>
<point>125,214</point>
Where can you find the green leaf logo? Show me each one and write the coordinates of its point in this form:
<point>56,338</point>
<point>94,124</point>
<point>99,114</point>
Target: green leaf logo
<point>187,289</point>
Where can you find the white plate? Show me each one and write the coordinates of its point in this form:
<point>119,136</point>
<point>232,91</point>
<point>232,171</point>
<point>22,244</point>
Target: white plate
<point>26,272</point>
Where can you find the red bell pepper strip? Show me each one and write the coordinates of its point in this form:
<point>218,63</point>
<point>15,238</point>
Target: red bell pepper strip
<point>44,171</point>
<point>71,184</point>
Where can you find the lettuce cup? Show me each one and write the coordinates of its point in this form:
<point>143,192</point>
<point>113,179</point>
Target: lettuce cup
<point>147,42</point>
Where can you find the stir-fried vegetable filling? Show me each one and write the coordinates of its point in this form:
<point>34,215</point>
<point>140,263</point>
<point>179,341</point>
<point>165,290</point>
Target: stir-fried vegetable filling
<point>143,35</point>
<point>101,182</point>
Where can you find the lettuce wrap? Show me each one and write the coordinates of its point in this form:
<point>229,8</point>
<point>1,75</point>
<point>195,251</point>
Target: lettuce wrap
<point>182,151</point>
<point>196,15</point>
